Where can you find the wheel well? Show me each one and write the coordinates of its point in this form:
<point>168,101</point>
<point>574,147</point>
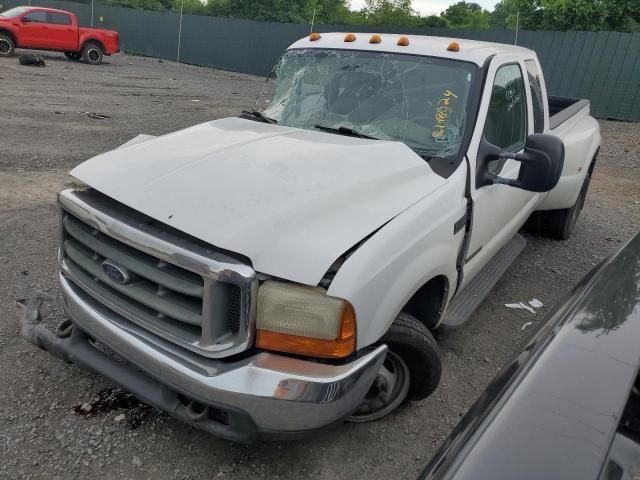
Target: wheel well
<point>93,40</point>
<point>10,35</point>
<point>427,304</point>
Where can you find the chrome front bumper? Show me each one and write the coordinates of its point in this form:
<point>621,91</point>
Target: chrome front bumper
<point>262,396</point>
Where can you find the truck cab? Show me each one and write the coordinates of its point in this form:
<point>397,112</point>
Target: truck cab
<point>275,273</point>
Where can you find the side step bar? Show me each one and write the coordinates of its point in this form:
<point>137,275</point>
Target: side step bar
<point>469,299</point>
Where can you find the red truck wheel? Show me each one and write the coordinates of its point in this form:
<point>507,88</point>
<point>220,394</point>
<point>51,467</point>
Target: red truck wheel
<point>92,53</point>
<point>7,46</point>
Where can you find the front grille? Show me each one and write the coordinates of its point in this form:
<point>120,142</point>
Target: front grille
<point>205,313</point>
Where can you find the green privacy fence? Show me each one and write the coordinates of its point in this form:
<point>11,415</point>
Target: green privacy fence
<point>601,66</point>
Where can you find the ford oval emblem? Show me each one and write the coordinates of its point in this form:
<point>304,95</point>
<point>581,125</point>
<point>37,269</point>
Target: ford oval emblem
<point>116,273</point>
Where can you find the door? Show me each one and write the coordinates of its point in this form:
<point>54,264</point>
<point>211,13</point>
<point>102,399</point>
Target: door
<point>500,210</point>
<point>63,35</point>
<point>33,29</point>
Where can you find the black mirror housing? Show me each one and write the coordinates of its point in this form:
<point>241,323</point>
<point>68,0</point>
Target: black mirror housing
<point>541,163</point>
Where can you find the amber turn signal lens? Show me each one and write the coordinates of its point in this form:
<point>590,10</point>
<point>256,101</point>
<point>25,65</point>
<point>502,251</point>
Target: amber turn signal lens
<point>341,347</point>
<point>349,37</point>
<point>375,39</point>
<point>314,36</point>
<point>403,42</point>
<point>453,47</point>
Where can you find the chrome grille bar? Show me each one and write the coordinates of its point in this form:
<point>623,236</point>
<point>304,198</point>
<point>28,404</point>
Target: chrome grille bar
<point>182,289</point>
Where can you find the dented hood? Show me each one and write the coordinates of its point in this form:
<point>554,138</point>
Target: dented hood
<point>291,200</point>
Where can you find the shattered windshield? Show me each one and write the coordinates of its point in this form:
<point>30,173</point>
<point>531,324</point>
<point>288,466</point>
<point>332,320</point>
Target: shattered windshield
<point>421,101</point>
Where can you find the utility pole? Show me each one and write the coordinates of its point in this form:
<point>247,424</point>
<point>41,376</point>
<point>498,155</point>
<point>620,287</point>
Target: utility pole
<point>92,13</point>
<point>180,31</point>
<point>517,27</point>
<point>313,19</point>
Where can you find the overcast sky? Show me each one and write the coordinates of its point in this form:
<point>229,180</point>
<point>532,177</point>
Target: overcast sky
<point>428,7</point>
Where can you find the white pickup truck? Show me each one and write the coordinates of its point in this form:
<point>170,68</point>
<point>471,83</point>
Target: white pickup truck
<point>273,274</point>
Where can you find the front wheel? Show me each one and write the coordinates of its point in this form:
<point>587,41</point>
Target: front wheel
<point>92,53</point>
<point>411,370</point>
<point>7,45</point>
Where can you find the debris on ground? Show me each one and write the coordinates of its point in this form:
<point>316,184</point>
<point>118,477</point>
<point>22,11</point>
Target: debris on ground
<point>535,303</point>
<point>520,306</point>
<point>96,116</point>
<point>32,60</point>
<point>526,325</point>
<point>119,418</point>
<point>107,400</point>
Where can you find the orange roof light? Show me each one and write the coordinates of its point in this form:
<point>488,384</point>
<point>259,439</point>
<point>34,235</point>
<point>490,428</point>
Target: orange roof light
<point>349,37</point>
<point>375,39</point>
<point>403,42</point>
<point>314,36</point>
<point>453,47</point>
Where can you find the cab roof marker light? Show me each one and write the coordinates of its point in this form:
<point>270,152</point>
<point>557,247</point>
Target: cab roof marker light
<point>375,39</point>
<point>403,42</point>
<point>349,37</point>
<point>314,37</point>
<point>453,47</point>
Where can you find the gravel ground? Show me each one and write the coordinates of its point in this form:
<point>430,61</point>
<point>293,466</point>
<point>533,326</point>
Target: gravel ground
<point>45,428</point>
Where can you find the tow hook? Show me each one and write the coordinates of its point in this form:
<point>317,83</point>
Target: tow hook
<point>36,333</point>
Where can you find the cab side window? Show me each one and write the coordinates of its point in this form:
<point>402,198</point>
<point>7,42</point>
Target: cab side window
<point>59,19</point>
<point>506,124</point>
<point>35,17</point>
<point>536,95</point>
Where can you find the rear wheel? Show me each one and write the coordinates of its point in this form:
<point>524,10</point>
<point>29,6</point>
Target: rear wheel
<point>92,53</point>
<point>7,45</point>
<point>411,370</point>
<point>73,55</point>
<point>560,224</point>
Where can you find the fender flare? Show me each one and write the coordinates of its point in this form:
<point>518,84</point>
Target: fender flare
<point>10,34</point>
<point>84,43</point>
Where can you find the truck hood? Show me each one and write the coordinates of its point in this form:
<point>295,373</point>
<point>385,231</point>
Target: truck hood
<point>291,200</point>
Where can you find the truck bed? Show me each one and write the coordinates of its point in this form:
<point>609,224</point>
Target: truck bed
<point>562,109</point>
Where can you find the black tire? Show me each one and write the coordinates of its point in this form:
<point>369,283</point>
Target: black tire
<point>7,45</point>
<point>413,342</point>
<point>73,55</point>
<point>92,53</point>
<point>411,370</point>
<point>560,224</point>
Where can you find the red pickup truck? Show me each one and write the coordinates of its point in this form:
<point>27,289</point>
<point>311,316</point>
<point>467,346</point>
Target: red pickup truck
<point>56,30</point>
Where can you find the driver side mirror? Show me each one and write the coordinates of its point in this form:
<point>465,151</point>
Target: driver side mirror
<point>541,163</point>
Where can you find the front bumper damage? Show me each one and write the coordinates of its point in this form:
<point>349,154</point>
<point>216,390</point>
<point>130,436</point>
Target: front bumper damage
<point>263,396</point>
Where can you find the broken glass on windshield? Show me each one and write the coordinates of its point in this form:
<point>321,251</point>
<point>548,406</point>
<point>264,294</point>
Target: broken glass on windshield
<point>421,101</point>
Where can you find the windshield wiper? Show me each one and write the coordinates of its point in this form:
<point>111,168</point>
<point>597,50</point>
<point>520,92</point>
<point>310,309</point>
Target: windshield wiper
<point>256,115</point>
<point>344,131</point>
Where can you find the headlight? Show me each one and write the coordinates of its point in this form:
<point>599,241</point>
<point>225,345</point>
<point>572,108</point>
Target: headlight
<point>304,320</point>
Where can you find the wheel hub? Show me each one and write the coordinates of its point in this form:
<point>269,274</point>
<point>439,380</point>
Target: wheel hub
<point>93,55</point>
<point>5,46</point>
<point>388,391</point>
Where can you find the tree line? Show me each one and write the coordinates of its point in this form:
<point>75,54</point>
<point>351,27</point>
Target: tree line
<point>590,15</point>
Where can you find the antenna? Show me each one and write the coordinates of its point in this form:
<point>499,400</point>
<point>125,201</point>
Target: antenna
<point>180,31</point>
<point>313,19</point>
<point>515,42</point>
